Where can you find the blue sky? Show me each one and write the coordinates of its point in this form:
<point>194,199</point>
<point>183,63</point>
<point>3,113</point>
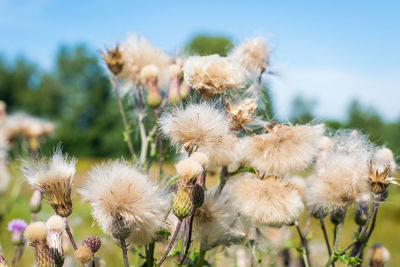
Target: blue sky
<point>331,51</point>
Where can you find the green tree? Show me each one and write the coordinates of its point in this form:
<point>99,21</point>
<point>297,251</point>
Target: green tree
<point>204,45</point>
<point>302,110</point>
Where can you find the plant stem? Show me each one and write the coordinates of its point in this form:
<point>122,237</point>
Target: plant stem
<point>150,254</point>
<point>184,239</point>
<point>189,240</point>
<point>159,141</point>
<point>124,252</point>
<point>328,246</point>
<point>68,230</point>
<point>171,243</point>
<point>201,257</point>
<point>114,82</point>
<point>338,232</point>
<point>303,245</point>
<point>143,136</point>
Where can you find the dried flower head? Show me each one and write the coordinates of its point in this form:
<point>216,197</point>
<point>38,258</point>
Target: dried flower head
<point>113,59</point>
<point>124,201</point>
<point>54,178</point>
<point>252,55</point>
<point>211,75</point>
<point>217,222</point>
<point>285,149</point>
<point>137,52</point>
<point>204,128</point>
<point>269,201</point>
<point>381,167</point>
<point>241,114</point>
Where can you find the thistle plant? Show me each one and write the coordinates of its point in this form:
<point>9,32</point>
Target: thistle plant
<point>206,110</point>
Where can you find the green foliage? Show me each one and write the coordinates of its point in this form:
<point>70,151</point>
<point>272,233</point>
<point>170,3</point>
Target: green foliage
<point>302,110</point>
<point>205,45</point>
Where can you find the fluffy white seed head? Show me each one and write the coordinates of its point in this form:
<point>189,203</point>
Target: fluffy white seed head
<point>204,128</point>
<point>341,176</point>
<point>211,75</point>
<point>57,168</point>
<point>201,158</point>
<point>188,168</point>
<point>36,231</point>
<point>285,149</point>
<point>383,159</point>
<point>217,221</point>
<point>122,198</point>
<point>137,52</point>
<point>269,201</point>
<point>56,222</point>
<point>252,55</point>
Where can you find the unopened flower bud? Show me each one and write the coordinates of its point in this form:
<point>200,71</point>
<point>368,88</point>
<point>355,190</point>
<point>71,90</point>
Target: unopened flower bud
<point>183,205</point>
<point>337,216</point>
<point>319,213</point>
<point>35,204</point>
<point>93,242</point>
<point>17,227</point>
<point>185,90</point>
<point>174,84</point>
<point>149,75</point>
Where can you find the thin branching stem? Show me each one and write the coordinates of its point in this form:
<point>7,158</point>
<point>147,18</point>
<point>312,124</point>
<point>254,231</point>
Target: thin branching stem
<point>68,230</point>
<point>171,243</point>
<point>328,246</point>
<point>114,83</point>
<point>189,240</point>
<point>337,233</point>
<point>303,245</point>
<point>184,239</point>
<point>124,251</point>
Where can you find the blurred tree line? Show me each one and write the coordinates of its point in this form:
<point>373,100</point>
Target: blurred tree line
<point>77,96</point>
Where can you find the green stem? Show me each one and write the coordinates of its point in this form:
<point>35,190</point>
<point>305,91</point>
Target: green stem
<point>127,137</point>
<point>150,254</point>
<point>338,232</point>
<point>201,258</point>
<point>303,245</point>
<point>223,178</point>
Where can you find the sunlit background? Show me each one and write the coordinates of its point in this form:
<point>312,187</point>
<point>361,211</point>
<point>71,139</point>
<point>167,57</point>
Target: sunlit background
<point>331,61</point>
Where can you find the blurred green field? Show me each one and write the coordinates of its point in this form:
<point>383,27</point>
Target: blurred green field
<point>386,231</point>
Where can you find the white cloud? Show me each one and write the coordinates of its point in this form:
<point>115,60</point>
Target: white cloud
<point>334,89</point>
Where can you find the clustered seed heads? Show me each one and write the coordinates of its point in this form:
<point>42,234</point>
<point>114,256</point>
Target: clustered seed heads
<point>260,165</point>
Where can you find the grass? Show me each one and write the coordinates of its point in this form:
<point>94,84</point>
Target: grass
<point>82,225</point>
